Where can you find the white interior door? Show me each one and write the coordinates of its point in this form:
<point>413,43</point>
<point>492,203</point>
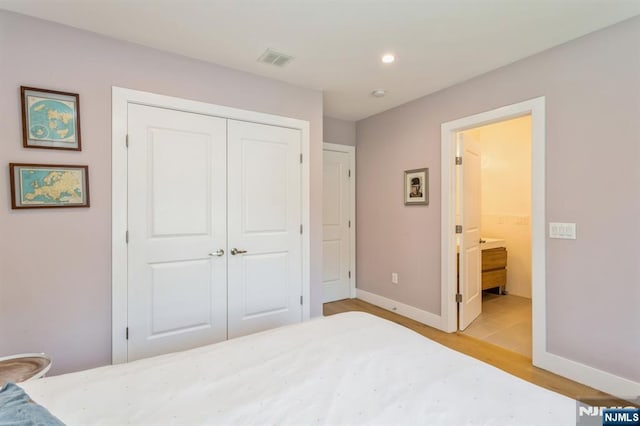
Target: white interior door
<point>470,253</point>
<point>177,295</point>
<point>335,226</point>
<point>264,195</point>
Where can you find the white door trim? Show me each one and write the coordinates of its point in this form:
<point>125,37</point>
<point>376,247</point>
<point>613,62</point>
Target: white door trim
<point>351,152</point>
<point>535,107</point>
<point>121,97</point>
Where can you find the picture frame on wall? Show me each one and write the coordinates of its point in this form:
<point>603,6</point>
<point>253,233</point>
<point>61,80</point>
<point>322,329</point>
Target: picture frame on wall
<point>50,119</point>
<point>416,187</point>
<point>48,185</point>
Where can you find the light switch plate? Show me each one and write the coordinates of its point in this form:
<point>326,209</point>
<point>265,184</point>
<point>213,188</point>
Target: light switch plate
<point>565,231</point>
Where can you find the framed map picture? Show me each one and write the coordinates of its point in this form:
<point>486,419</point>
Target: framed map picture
<point>47,185</point>
<point>50,119</point>
<point>416,187</point>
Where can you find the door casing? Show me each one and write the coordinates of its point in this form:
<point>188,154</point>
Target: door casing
<point>121,98</point>
<point>449,309</point>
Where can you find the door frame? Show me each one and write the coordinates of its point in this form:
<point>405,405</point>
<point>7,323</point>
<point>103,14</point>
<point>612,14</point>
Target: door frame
<point>121,97</point>
<point>351,152</point>
<point>449,312</point>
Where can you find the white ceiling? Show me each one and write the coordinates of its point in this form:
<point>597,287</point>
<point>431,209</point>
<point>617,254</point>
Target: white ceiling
<point>337,44</point>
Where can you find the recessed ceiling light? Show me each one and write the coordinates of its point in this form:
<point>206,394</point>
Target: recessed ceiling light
<point>378,93</point>
<point>388,58</point>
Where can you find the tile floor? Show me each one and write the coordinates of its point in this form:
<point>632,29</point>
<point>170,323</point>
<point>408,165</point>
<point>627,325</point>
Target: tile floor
<point>505,321</point>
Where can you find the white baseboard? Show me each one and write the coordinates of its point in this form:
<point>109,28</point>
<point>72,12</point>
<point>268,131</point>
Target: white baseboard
<point>432,320</point>
<point>598,379</point>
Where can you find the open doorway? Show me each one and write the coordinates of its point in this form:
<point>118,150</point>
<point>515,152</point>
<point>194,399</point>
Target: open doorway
<point>502,181</point>
<point>468,301</point>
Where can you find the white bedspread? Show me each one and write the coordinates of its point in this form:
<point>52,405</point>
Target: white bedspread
<point>351,368</point>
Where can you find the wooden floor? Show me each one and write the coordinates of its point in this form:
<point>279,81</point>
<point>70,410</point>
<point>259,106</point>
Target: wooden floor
<point>511,362</point>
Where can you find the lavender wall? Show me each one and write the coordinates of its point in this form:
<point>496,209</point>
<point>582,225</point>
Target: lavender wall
<point>55,265</point>
<point>592,88</point>
<point>338,131</point>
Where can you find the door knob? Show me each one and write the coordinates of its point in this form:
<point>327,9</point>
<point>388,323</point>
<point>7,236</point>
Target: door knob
<point>235,251</point>
<point>218,253</point>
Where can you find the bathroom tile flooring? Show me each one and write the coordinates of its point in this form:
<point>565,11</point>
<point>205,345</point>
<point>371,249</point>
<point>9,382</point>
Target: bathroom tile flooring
<point>505,321</point>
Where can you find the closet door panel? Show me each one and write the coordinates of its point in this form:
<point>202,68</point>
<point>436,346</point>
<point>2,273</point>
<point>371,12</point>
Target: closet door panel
<point>264,196</point>
<point>264,185</point>
<point>177,215</point>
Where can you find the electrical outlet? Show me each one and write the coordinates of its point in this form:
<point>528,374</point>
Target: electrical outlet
<point>394,278</point>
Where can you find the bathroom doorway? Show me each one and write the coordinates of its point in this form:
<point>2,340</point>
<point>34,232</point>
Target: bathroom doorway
<point>454,300</point>
<point>502,180</point>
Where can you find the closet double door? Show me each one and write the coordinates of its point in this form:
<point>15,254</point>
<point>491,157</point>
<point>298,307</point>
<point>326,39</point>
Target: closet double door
<point>214,214</point>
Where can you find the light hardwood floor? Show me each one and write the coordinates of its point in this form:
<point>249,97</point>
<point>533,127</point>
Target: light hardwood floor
<point>511,362</point>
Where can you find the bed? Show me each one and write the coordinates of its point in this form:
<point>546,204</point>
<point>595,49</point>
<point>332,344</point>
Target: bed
<point>351,368</point>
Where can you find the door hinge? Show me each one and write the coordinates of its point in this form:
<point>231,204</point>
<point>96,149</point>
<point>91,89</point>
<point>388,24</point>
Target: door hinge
<point>349,172</point>
<point>458,229</point>
<point>458,298</point>
<point>349,274</point>
<point>126,141</point>
<point>127,333</point>
<point>349,224</point>
<point>458,161</point>
<point>301,300</point>
<point>126,237</point>
<point>301,229</point>
<point>300,158</point>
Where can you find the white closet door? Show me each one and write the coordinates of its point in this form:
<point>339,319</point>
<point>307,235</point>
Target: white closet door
<point>264,196</point>
<point>335,227</point>
<point>177,284</point>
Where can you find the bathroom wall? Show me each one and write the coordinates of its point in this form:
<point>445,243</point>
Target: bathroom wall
<point>506,194</point>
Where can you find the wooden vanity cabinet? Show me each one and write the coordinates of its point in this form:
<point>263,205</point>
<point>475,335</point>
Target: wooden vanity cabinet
<point>494,268</point>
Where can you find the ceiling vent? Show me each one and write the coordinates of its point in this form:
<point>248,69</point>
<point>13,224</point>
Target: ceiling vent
<point>275,58</point>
